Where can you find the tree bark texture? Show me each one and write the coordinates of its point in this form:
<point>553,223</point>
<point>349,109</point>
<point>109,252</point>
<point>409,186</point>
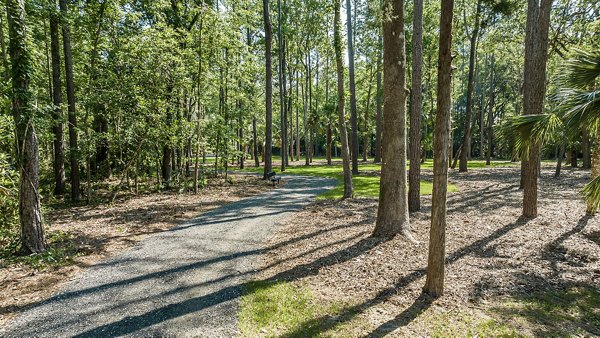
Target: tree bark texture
<point>434,284</point>
<point>414,174</point>
<point>30,216</point>
<point>339,61</point>
<point>392,214</point>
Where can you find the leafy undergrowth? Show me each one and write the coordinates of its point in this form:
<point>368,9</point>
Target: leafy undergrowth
<point>285,309</point>
<point>62,250</point>
<point>570,313</point>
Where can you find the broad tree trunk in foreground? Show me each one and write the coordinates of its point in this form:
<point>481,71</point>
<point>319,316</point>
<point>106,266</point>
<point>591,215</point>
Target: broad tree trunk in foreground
<point>30,215</point>
<point>73,144</point>
<point>414,175</point>
<point>268,91</point>
<point>434,285</point>
<point>339,61</point>
<point>534,90</point>
<point>57,127</point>
<point>392,214</point>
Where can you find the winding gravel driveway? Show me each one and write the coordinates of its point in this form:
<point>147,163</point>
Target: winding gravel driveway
<point>184,282</point>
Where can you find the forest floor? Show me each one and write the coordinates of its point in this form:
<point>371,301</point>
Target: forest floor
<point>505,276</point>
<point>81,236</point>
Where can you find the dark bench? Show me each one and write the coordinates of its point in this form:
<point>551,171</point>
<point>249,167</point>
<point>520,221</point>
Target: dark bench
<point>272,176</point>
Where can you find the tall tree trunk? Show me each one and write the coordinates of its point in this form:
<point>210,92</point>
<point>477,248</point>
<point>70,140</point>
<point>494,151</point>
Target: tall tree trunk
<point>307,103</point>
<point>339,61</point>
<point>282,87</point>
<point>434,284</point>
<point>366,136</point>
<point>490,123</point>
<point>466,141</point>
<point>416,102</point>
<point>328,145</point>
<point>268,91</point>
<point>534,90</point>
<point>353,114</point>
<point>30,215</point>
<point>57,124</point>
<point>379,103</point>
<point>73,144</point>
<point>392,214</point>
<point>298,116</point>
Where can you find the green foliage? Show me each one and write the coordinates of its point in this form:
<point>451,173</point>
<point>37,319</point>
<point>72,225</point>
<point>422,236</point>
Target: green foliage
<point>9,207</point>
<point>62,250</point>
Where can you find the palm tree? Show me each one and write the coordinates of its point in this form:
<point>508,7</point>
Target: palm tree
<point>578,110</point>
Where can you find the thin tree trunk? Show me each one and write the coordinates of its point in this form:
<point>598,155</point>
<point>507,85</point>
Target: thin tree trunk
<point>282,87</point>
<point>559,157</point>
<point>339,61</point>
<point>434,284</point>
<point>57,127</point>
<point>268,91</point>
<point>353,114</point>
<point>466,142</point>
<point>490,123</point>
<point>73,144</point>
<point>255,143</point>
<point>30,215</point>
<point>366,123</point>
<point>379,101</point>
<point>298,115</point>
<point>586,150</point>
<point>414,174</point>
<point>392,214</point>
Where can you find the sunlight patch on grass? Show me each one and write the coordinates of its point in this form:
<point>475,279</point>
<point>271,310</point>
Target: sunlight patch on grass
<point>274,309</point>
<point>571,313</point>
<point>366,184</point>
<point>462,324</point>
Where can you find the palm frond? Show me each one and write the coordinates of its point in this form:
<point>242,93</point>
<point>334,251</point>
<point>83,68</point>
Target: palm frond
<point>581,109</point>
<point>583,69</point>
<point>528,130</point>
<point>591,193</point>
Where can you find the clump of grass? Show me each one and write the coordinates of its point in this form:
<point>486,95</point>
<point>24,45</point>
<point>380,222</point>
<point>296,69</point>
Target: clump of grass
<point>275,309</point>
<point>463,324</point>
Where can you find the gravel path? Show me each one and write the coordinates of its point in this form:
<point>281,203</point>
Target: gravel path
<point>182,282</point>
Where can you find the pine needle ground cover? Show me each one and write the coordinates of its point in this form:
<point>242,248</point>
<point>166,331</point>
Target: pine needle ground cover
<point>506,276</point>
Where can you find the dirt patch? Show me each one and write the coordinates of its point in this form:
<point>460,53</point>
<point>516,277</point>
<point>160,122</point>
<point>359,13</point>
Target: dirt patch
<point>492,254</point>
<point>99,231</point>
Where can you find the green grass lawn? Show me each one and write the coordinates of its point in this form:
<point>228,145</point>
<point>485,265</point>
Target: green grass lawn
<point>366,184</point>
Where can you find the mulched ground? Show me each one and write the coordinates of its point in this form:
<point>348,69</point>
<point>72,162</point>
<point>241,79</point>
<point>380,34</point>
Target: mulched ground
<point>492,254</point>
<point>98,231</point>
